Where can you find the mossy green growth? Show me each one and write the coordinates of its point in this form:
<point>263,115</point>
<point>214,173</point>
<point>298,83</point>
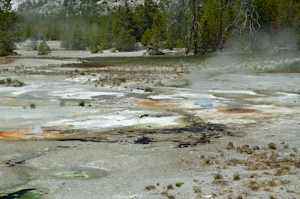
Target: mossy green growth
<point>78,174</point>
<point>25,194</point>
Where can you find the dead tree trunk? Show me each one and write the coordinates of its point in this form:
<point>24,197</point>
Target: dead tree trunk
<point>251,22</point>
<point>184,26</point>
<point>195,25</point>
<point>221,35</point>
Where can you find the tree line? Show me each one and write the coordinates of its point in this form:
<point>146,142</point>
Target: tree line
<point>198,26</point>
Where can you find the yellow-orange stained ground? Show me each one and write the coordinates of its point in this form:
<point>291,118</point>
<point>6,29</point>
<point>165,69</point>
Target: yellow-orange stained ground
<point>25,133</point>
<point>150,103</point>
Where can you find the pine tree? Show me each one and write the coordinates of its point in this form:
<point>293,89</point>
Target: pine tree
<point>43,49</point>
<point>8,36</point>
<point>157,35</point>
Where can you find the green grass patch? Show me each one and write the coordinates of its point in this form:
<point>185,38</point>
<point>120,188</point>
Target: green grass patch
<point>25,194</point>
<point>293,67</point>
<point>151,60</point>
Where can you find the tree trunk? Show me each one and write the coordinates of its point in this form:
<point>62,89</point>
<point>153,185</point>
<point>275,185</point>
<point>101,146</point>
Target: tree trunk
<point>195,18</point>
<point>221,35</point>
<point>251,22</point>
<point>184,26</point>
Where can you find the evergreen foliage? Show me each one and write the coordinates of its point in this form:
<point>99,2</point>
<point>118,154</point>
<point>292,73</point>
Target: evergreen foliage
<point>43,49</point>
<point>276,23</point>
<point>8,35</point>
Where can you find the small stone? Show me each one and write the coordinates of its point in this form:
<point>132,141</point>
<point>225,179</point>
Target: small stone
<point>249,151</point>
<point>229,147</point>
<point>256,148</point>
<point>272,145</point>
<point>230,144</point>
<point>239,197</point>
<point>245,146</point>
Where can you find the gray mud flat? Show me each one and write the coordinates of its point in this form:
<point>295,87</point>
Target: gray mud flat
<point>147,132</point>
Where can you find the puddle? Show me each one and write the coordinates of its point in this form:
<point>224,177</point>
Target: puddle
<point>36,133</point>
<point>24,194</point>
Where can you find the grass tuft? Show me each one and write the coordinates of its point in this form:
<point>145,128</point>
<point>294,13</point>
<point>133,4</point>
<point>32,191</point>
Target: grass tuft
<point>170,187</point>
<point>150,188</point>
<point>236,177</point>
<point>178,184</point>
<point>218,177</point>
<point>81,103</point>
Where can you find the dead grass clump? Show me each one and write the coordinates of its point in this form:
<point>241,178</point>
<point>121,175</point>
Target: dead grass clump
<point>150,188</point>
<point>259,156</point>
<point>234,162</point>
<point>285,182</point>
<point>244,148</point>
<point>280,172</point>
<point>272,183</point>
<point>297,164</point>
<point>290,191</point>
<point>268,189</point>
<point>256,166</point>
<point>164,193</point>
<point>220,182</point>
<point>272,145</point>
<point>266,173</point>
<point>254,175</point>
<point>197,190</point>
<point>256,148</point>
<point>253,185</point>
<point>274,156</point>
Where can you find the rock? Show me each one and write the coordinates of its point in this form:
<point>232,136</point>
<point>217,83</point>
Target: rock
<point>143,140</point>
<point>239,197</point>
<point>230,144</point>
<point>229,147</point>
<point>256,148</point>
<point>249,151</point>
<point>245,146</point>
<point>272,145</point>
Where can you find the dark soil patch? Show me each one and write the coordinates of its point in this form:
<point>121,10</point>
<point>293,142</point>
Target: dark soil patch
<point>143,140</point>
<point>93,65</point>
<point>239,110</point>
